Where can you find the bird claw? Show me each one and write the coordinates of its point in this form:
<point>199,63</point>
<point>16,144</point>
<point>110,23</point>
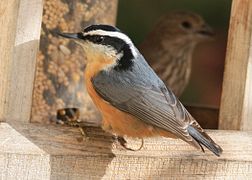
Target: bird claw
<point>85,136</point>
<point>123,143</point>
<point>70,116</point>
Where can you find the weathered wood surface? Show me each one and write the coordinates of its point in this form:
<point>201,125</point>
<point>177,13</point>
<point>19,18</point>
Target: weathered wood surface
<point>8,16</point>
<point>236,101</point>
<point>18,70</point>
<point>20,158</point>
<point>56,152</point>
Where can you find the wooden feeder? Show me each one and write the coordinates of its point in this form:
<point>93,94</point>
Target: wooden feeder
<point>39,151</point>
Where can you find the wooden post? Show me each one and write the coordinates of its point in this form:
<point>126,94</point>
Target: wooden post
<point>236,100</point>
<point>18,68</point>
<point>8,16</point>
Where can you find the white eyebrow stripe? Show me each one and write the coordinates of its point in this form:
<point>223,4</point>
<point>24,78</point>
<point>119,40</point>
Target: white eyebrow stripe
<point>116,35</point>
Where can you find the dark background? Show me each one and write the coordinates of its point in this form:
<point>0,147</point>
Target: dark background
<point>136,17</point>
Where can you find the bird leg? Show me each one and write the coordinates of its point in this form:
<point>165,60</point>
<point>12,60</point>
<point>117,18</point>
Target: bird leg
<point>123,143</point>
<point>70,116</point>
<point>82,130</point>
<point>85,136</point>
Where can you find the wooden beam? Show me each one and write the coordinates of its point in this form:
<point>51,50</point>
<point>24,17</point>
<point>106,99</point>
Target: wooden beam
<point>8,16</point>
<point>57,152</point>
<point>17,72</point>
<point>236,100</point>
<point>20,158</point>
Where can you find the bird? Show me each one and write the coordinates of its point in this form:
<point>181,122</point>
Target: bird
<point>169,47</point>
<point>133,100</point>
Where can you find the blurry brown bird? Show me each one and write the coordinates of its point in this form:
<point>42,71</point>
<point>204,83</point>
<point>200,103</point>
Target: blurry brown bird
<point>168,48</point>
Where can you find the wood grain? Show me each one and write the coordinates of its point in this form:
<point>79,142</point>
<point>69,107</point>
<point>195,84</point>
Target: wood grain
<point>8,16</point>
<point>101,158</point>
<point>18,71</point>
<point>21,158</point>
<point>236,100</point>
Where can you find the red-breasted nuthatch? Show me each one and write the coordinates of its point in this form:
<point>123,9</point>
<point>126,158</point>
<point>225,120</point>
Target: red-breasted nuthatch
<point>132,99</point>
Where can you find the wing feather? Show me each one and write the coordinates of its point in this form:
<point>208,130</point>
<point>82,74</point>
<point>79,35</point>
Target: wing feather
<point>142,94</point>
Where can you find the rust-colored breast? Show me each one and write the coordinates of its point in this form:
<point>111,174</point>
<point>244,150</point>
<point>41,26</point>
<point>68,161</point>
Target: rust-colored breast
<point>114,120</point>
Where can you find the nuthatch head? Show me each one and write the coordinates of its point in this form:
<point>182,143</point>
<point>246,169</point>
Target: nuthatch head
<point>104,40</point>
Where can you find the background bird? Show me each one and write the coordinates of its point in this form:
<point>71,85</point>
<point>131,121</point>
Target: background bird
<point>168,48</point>
<point>132,99</point>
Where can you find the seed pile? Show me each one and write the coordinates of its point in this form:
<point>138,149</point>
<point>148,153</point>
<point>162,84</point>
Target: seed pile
<point>59,81</point>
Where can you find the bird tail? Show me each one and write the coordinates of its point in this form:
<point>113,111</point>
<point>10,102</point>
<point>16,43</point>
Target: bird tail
<point>203,139</point>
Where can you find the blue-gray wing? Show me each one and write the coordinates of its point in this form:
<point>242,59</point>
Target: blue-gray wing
<point>139,92</point>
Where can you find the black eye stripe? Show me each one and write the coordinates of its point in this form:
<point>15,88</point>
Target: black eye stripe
<point>119,45</point>
<point>100,39</point>
<point>80,35</point>
<point>115,42</point>
<point>96,39</point>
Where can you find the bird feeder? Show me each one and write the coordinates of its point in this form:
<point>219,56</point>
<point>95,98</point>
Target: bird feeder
<point>31,148</point>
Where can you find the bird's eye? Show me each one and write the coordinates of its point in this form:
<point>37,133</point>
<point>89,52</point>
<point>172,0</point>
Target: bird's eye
<point>98,39</point>
<point>186,24</point>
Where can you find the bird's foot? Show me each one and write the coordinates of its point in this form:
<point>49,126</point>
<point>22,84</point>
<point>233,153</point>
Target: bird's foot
<point>123,143</point>
<point>70,117</point>
<point>84,134</point>
<point>82,129</point>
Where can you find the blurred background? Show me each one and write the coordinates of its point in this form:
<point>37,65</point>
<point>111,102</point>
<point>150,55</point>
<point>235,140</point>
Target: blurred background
<point>136,18</point>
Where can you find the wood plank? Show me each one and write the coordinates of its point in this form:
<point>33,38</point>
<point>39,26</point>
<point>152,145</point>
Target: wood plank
<point>20,70</point>
<point>20,158</point>
<point>8,16</point>
<point>236,100</point>
<point>99,157</point>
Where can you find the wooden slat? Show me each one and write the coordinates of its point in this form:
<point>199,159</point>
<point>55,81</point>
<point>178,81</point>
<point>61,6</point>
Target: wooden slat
<point>98,157</point>
<point>18,70</point>
<point>236,101</point>
<point>8,16</point>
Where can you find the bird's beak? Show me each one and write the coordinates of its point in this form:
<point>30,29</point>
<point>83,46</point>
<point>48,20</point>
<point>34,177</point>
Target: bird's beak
<point>206,31</point>
<point>70,35</point>
<point>78,38</point>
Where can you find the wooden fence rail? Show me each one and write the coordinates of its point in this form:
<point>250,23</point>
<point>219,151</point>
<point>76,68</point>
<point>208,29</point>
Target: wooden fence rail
<point>20,41</point>
<point>53,152</point>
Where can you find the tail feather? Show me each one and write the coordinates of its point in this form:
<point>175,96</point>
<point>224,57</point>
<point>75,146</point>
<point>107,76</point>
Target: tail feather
<point>203,139</point>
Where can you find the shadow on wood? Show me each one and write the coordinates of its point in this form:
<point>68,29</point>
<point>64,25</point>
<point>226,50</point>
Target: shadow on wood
<point>53,152</point>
